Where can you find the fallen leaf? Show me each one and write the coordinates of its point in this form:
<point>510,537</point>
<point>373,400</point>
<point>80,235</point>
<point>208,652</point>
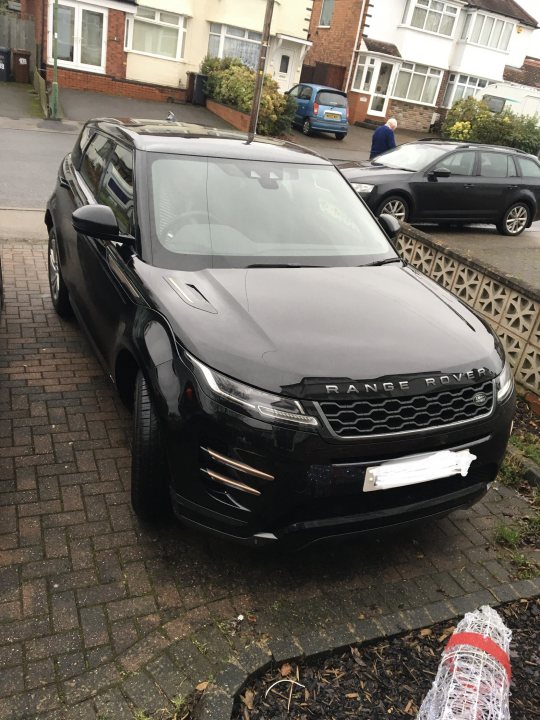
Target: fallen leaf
<point>285,669</point>
<point>425,632</point>
<point>202,686</point>
<point>351,696</point>
<point>408,706</point>
<point>247,698</point>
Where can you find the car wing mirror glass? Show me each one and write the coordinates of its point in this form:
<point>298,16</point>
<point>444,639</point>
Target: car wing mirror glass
<point>97,221</point>
<point>390,225</point>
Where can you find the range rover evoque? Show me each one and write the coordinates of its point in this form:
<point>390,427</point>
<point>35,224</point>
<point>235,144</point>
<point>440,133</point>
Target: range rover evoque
<point>291,378</point>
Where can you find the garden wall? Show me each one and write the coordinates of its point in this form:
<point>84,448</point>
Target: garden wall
<point>510,306</point>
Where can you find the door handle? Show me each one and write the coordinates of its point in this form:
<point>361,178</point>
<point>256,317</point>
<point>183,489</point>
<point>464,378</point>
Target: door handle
<point>468,186</point>
<point>512,187</point>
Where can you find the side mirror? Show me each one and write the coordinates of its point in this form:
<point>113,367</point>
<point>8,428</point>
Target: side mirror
<point>97,221</point>
<point>434,174</point>
<point>390,226</point>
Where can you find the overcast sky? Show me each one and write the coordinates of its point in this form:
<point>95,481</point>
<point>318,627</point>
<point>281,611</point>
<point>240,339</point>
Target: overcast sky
<point>533,8</point>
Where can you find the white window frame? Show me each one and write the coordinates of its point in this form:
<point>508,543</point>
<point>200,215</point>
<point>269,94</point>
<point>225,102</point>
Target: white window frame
<point>430,72</point>
<point>322,11</point>
<point>76,63</point>
<point>428,6</point>
<point>156,21</point>
<point>470,24</point>
<point>470,83</point>
<point>223,34</point>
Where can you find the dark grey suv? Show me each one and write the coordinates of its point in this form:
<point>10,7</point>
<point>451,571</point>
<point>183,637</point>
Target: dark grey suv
<point>439,181</point>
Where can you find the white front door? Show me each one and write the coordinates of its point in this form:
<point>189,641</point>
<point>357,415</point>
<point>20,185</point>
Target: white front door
<point>380,87</point>
<point>284,64</point>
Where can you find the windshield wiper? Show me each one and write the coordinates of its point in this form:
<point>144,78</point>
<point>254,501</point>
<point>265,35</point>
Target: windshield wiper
<point>280,265</point>
<point>386,261</point>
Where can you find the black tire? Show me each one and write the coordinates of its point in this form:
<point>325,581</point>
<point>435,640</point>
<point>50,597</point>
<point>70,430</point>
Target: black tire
<point>395,205</point>
<point>340,136</point>
<point>57,286</point>
<point>306,127</point>
<point>149,474</point>
<point>515,220</point>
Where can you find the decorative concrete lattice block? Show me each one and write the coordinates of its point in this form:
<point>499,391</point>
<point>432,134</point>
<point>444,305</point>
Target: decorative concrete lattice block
<point>422,258</point>
<point>528,372</point>
<point>535,333</point>
<point>513,345</point>
<point>492,299</point>
<point>405,246</point>
<point>520,314</point>
<point>467,283</point>
<point>444,269</point>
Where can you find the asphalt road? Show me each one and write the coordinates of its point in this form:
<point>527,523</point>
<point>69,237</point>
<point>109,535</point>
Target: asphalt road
<point>30,161</point>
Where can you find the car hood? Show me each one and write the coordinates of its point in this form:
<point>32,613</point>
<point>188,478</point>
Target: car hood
<point>374,174</point>
<point>285,329</point>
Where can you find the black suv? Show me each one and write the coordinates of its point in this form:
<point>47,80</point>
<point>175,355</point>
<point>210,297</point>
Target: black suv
<point>290,376</point>
<point>438,181</point>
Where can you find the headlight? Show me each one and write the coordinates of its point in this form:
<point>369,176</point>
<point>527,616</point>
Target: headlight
<point>505,382</point>
<point>255,402</point>
<point>362,188</point>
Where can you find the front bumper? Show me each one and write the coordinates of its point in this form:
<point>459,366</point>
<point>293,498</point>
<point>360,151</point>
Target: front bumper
<point>307,487</point>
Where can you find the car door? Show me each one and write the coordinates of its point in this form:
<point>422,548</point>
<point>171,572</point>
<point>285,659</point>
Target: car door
<point>498,184</point>
<point>529,180</point>
<point>303,104</point>
<point>438,197</point>
<point>109,301</point>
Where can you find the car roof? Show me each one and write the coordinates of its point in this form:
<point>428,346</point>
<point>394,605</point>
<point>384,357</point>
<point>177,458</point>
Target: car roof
<point>453,144</point>
<point>323,87</point>
<point>191,139</point>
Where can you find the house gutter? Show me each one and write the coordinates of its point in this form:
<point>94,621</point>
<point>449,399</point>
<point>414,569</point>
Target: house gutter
<point>349,74</point>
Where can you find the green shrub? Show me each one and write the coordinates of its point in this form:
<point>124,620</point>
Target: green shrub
<point>472,120</point>
<point>232,83</point>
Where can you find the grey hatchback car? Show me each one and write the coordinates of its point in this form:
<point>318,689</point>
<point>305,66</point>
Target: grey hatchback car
<point>451,182</point>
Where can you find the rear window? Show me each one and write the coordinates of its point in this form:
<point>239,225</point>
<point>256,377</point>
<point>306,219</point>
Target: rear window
<point>324,97</point>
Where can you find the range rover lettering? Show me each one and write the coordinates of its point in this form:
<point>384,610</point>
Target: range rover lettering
<point>291,377</point>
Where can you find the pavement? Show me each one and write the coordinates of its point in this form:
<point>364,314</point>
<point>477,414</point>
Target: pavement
<point>104,617</point>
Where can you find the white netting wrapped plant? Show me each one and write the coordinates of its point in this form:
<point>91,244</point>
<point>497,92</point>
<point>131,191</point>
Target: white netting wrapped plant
<point>473,678</point>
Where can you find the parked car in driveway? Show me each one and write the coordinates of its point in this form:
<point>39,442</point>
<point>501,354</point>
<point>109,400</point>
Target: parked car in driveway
<point>291,378</point>
<point>451,182</point>
<point>319,107</point>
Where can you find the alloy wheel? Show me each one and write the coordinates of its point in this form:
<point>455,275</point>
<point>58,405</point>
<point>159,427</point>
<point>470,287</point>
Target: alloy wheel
<point>396,208</point>
<point>54,269</point>
<point>516,219</point>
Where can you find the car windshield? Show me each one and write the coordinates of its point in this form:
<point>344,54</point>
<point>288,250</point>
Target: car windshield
<point>412,156</point>
<point>216,212</point>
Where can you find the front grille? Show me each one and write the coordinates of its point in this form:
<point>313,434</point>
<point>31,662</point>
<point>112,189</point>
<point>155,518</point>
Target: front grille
<point>383,416</point>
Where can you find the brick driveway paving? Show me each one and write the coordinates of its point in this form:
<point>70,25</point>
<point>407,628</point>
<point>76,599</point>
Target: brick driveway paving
<point>102,617</point>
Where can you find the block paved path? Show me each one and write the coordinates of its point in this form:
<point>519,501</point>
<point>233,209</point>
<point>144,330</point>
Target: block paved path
<point>101,617</point>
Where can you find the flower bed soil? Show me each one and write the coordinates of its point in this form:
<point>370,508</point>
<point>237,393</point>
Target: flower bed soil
<point>389,678</point>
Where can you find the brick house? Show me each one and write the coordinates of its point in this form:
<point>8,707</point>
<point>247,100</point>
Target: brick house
<point>412,59</point>
<point>146,48</point>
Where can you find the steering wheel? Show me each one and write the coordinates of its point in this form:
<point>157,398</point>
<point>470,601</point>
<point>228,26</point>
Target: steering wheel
<point>190,217</point>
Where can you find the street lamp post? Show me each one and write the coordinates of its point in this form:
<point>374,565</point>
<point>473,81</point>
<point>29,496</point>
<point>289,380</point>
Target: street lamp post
<point>260,70</point>
<point>53,108</point>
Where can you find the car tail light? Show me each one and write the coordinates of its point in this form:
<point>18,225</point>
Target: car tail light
<point>347,113</point>
<point>315,108</point>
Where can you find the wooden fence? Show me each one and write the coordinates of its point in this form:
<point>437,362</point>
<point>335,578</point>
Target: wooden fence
<point>18,34</point>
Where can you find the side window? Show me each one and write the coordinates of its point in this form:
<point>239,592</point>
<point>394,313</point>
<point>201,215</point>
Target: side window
<point>294,92</point>
<point>528,167</point>
<point>495,165</point>
<point>94,160</point>
<point>82,141</point>
<point>305,93</point>
<point>460,163</point>
<point>116,190</point>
